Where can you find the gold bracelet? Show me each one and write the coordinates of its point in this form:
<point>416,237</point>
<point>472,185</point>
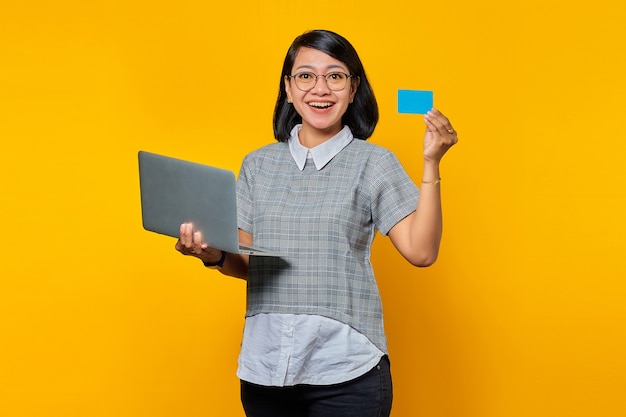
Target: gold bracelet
<point>432,182</point>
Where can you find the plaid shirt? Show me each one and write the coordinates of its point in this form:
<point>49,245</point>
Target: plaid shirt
<point>324,222</point>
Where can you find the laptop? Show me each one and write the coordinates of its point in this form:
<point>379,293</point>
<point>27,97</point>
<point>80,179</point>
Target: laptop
<point>174,191</point>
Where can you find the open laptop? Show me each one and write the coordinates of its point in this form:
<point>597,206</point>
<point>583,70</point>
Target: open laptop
<point>174,191</point>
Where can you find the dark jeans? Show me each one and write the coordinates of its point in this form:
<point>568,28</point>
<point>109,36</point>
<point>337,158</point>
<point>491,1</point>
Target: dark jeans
<point>369,395</point>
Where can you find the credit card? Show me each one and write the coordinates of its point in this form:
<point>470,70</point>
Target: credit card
<point>415,101</point>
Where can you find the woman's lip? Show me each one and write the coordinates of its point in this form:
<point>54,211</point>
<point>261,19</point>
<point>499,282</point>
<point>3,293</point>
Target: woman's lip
<point>320,104</point>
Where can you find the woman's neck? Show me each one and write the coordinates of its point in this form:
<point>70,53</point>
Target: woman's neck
<point>310,138</point>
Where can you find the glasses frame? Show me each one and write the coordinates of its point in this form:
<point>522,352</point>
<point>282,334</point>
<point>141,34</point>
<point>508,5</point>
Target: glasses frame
<point>348,76</point>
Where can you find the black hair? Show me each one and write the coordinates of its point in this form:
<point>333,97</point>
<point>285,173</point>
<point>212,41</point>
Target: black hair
<point>361,116</point>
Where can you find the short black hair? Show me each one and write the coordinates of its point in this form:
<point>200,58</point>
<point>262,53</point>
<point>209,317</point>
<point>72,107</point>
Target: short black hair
<point>361,116</point>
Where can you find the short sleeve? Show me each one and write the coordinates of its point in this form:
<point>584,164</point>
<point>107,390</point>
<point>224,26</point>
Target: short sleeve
<point>245,207</point>
<point>394,194</point>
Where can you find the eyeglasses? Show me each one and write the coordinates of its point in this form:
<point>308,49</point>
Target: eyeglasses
<point>306,81</point>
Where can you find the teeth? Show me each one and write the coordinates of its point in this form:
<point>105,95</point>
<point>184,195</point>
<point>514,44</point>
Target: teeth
<point>320,104</point>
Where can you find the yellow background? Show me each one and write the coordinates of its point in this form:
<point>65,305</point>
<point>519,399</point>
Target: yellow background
<point>524,313</point>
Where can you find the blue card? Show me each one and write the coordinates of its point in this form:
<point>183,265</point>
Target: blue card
<point>414,101</point>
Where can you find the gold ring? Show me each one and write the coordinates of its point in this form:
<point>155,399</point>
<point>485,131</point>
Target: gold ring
<point>451,131</point>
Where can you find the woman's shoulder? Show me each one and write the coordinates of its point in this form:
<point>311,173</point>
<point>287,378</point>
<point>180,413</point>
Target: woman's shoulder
<point>369,151</point>
<point>269,151</point>
<point>373,159</point>
<point>366,144</point>
<point>272,154</point>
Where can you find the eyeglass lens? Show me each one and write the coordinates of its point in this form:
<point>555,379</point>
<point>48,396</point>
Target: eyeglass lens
<point>335,81</point>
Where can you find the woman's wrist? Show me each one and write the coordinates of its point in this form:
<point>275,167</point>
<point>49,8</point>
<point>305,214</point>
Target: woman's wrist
<point>217,262</point>
<point>210,255</point>
<point>431,173</point>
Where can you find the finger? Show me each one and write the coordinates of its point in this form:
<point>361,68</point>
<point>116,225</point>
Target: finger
<point>443,125</point>
<point>429,122</point>
<point>186,236</point>
<point>439,120</point>
<point>437,112</point>
<point>183,234</point>
<point>438,117</point>
<point>432,121</point>
<point>431,126</point>
<point>197,243</point>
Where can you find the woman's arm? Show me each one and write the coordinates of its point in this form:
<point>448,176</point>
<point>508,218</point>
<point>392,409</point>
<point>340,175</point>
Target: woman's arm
<point>417,236</point>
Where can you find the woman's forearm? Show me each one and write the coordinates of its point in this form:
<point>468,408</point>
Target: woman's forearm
<point>427,225</point>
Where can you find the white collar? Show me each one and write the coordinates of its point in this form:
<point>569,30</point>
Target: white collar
<point>322,153</point>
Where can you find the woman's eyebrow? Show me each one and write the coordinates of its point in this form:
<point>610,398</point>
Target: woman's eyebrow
<point>311,67</point>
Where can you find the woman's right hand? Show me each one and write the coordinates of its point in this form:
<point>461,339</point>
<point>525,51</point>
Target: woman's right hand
<point>190,243</point>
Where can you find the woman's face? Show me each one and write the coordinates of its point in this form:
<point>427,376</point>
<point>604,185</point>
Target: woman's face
<point>321,108</point>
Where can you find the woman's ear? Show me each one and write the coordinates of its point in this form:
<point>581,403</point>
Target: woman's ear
<point>288,88</point>
<point>354,85</point>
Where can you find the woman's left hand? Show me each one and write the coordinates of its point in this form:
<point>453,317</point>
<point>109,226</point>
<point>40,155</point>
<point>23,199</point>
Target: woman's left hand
<point>440,136</point>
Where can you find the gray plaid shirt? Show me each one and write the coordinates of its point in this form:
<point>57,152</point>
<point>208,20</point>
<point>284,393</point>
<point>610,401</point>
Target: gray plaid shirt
<point>324,222</point>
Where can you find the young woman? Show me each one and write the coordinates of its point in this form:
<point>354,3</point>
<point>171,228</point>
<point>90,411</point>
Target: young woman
<point>314,343</point>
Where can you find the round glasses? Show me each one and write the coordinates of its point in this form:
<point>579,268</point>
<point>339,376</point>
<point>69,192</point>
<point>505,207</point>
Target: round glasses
<point>336,81</point>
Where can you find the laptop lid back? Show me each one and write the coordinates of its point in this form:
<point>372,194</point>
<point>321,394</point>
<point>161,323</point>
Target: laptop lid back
<point>174,191</point>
